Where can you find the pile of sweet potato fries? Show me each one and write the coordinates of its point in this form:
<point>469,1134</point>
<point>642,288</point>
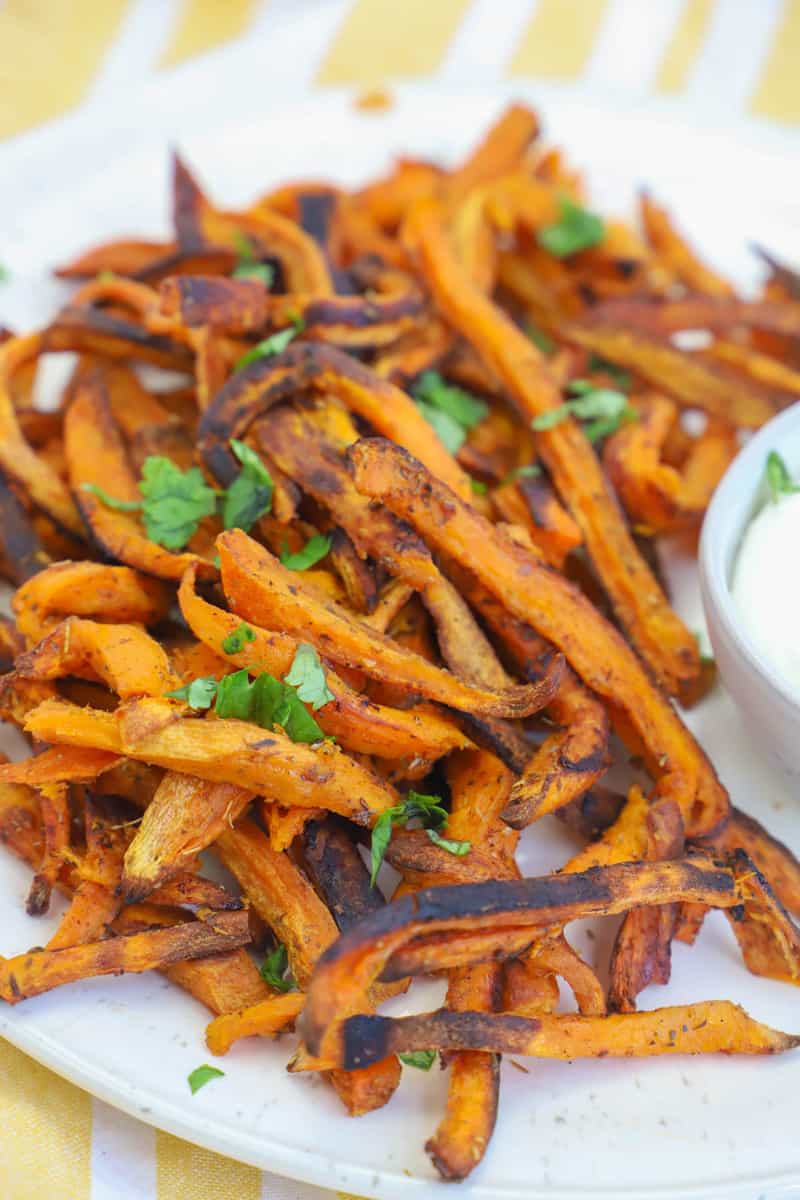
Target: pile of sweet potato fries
<point>373,578</point>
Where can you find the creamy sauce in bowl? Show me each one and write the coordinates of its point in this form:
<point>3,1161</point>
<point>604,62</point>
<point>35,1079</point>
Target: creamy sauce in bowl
<point>766,577</point>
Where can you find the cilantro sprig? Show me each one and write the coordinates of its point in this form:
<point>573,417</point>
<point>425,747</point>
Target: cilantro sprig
<point>778,478</point>
<point>604,410</point>
<point>451,410</point>
<point>174,502</point>
<point>248,265</point>
<point>265,700</point>
<point>275,970</point>
<point>200,1076</point>
<point>576,229</point>
<point>432,814</point>
<point>313,552</point>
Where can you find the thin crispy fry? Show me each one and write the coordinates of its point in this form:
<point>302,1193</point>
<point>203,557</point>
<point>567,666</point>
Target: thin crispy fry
<point>533,592</point>
<point>638,600</point>
<point>678,255</point>
<point>267,1018</point>
<point>260,589</point>
<point>124,657</point>
<point>41,970</point>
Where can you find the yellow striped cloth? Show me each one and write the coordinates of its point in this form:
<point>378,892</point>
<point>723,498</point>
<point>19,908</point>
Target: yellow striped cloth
<point>726,55</point>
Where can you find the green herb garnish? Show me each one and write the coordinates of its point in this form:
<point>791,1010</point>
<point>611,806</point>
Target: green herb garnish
<point>235,641</point>
<point>248,266</point>
<point>451,411</point>
<point>428,809</point>
<point>270,346</point>
<point>779,481</point>
<point>307,675</point>
<point>528,471</point>
<point>457,848</point>
<point>315,549</point>
<point>198,694</point>
<point>576,229</point>
<point>273,970</point>
<point>423,1060</point>
<point>621,377</point>
<point>479,488</point>
<point>173,503</point>
<point>200,1076</point>
<point>603,408</point>
<point>250,495</point>
<point>111,501</point>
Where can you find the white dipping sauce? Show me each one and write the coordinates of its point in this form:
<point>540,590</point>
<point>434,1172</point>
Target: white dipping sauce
<point>766,585</point>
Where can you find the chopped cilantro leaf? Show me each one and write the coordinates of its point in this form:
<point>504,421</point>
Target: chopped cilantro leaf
<point>273,970</point>
<point>200,1076</point>
<point>428,809</point>
<point>603,408</point>
<point>315,549</point>
<point>250,494</point>
<point>274,344</point>
<point>576,229</point>
<point>541,340</point>
<point>779,481</point>
<point>451,410</point>
<point>198,694</point>
<point>235,641</point>
<point>423,1060</point>
<point>175,501</point>
<point>307,675</point>
<point>248,266</point>
<point>479,488</point>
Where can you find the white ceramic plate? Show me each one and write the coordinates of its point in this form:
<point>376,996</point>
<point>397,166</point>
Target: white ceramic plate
<point>668,1128</point>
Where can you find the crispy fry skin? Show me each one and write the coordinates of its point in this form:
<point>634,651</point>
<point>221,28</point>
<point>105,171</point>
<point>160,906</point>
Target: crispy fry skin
<point>692,383</point>
<point>96,455</point>
<point>229,751</point>
<point>534,593</point>
<point>124,657</point>
<point>256,388</point>
<point>710,1027</point>
<point>499,152</point>
<point>185,815</point>
<point>40,970</point>
<point>662,639</point>
<point>356,721</point>
<point>338,872</point>
<point>86,589</point>
<point>767,937</point>
<point>772,858</point>
<point>259,588</point>
<point>504,907</point>
<point>559,958</point>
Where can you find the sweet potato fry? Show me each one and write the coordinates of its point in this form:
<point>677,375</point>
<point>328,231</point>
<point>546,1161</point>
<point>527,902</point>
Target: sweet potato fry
<point>260,589</point>
<point>229,751</point>
<point>329,372</point>
<point>356,721</point>
<point>338,872</point>
<point>535,593</point>
<point>55,815</point>
<point>710,1027</point>
<point>267,1018</point>
<point>185,815</point>
<point>768,938</point>
<point>773,858</point>
<point>87,589</point>
<point>762,368</point>
<point>96,457</point>
<point>500,152</point>
<point>41,970</point>
<point>570,459</point>
<point>124,657</point>
<point>506,908</point>
<point>676,253</point>
<point>693,383</point>
<point>21,551</point>
<point>656,494</point>
<point>19,463</point>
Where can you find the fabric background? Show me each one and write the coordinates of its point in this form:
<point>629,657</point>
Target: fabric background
<point>727,57</point>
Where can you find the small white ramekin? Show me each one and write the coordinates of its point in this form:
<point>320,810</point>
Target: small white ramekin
<point>770,706</point>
